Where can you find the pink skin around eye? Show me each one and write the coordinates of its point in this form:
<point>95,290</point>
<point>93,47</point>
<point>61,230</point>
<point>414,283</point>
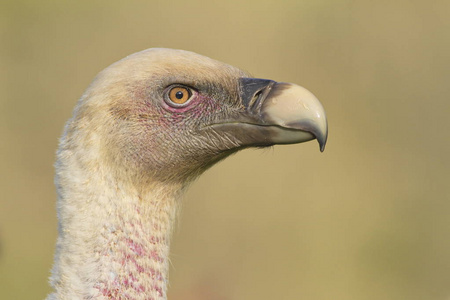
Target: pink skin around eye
<point>197,101</point>
<point>191,103</point>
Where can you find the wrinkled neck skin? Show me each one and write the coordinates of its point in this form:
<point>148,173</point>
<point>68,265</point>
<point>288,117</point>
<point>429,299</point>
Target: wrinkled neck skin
<point>113,238</point>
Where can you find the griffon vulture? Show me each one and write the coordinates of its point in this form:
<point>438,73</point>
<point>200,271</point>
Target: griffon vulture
<point>145,128</point>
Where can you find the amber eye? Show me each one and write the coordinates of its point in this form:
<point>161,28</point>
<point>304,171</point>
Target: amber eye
<point>179,95</point>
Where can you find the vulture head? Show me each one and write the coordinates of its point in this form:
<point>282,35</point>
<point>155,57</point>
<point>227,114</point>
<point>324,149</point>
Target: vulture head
<point>144,129</point>
<point>167,115</point>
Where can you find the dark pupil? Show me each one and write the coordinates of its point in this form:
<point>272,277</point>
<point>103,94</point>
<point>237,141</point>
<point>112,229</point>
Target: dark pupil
<point>179,95</point>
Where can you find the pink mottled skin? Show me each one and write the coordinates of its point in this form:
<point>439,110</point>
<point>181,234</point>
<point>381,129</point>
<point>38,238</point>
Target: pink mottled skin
<point>133,258</point>
<point>119,285</point>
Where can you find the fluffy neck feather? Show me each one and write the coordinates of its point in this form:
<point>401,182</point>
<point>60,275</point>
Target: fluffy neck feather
<point>113,237</point>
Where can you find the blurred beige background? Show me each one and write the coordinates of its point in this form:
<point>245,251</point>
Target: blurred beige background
<point>367,219</point>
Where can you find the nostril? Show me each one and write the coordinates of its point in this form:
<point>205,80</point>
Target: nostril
<point>255,98</point>
<point>253,90</point>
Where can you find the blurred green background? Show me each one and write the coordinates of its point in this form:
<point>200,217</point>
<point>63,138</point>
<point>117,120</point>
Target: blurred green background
<point>367,219</point>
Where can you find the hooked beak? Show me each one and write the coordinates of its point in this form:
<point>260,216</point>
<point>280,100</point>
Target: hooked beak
<point>277,113</point>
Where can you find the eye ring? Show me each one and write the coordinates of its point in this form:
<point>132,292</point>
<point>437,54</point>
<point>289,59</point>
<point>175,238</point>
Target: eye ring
<point>178,95</point>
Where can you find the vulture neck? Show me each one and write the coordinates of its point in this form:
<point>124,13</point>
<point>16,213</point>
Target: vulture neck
<point>113,237</point>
